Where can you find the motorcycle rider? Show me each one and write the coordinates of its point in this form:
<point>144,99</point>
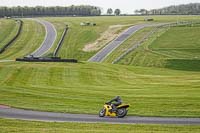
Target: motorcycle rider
<point>115,102</point>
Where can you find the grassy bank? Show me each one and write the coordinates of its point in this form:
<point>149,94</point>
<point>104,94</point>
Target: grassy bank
<point>84,88</point>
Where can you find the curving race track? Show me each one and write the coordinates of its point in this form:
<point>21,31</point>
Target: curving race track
<point>110,47</point>
<point>7,112</point>
<point>49,40</point>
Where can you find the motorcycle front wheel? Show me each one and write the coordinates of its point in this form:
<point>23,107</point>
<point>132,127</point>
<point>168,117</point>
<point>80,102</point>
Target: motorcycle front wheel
<point>102,112</point>
<point>121,112</point>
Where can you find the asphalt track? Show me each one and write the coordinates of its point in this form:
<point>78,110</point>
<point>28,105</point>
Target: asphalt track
<point>102,54</point>
<point>49,40</point>
<point>11,113</point>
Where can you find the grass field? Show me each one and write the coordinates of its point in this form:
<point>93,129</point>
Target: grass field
<point>85,87</point>
<point>42,127</point>
<point>30,39</point>
<point>176,48</point>
<point>8,29</point>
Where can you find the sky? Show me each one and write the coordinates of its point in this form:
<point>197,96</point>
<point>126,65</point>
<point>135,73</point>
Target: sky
<point>126,6</point>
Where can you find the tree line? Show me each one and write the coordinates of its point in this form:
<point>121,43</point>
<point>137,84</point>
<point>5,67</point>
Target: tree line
<point>184,9</point>
<point>19,11</point>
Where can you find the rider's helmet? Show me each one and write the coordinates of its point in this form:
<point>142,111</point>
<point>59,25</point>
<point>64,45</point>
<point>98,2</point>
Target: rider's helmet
<point>118,97</point>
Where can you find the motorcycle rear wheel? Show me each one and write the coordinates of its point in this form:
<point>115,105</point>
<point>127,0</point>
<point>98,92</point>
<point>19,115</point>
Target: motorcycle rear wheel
<point>121,112</point>
<point>102,112</point>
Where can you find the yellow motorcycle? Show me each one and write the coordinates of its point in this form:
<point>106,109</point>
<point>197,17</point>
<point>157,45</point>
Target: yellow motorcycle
<point>108,110</point>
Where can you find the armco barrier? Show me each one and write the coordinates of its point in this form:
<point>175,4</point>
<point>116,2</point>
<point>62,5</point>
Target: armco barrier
<point>53,59</point>
<point>14,38</point>
<point>60,42</point>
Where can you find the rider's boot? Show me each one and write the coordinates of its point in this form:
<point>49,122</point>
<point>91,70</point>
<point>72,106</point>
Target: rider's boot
<point>114,108</point>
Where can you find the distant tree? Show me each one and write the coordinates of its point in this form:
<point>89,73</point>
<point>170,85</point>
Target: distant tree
<point>137,12</point>
<point>117,12</point>
<point>143,11</point>
<point>94,12</point>
<point>109,11</point>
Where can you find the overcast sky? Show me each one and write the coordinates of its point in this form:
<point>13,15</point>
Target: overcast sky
<point>127,6</point>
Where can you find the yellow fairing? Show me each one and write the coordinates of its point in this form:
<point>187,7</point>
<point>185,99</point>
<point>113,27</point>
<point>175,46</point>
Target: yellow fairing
<point>108,113</point>
<point>123,105</point>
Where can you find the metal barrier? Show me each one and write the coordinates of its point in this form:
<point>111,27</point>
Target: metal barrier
<point>40,59</point>
<point>55,54</point>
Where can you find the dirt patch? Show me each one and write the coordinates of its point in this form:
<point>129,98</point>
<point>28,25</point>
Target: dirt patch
<point>106,37</point>
<point>4,107</point>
